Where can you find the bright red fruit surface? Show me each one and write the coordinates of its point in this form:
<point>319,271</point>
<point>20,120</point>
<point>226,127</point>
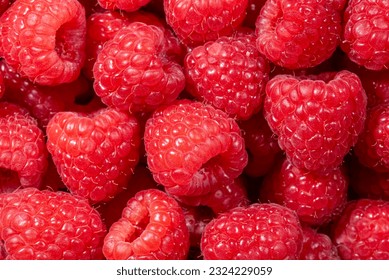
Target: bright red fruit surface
<point>94,154</point>
<point>317,246</point>
<point>44,40</point>
<point>317,119</point>
<point>260,231</point>
<point>49,225</point>
<point>152,227</point>
<point>191,147</point>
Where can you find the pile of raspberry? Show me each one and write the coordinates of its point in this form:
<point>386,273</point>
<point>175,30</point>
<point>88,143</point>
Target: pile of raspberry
<point>176,129</point>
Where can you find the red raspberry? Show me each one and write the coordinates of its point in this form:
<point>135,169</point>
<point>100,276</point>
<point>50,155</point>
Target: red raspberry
<point>4,5</point>
<point>124,5</point>
<point>152,227</point>
<point>365,38</point>
<point>317,246</point>
<point>221,199</point>
<point>317,119</point>
<point>141,179</point>
<point>228,73</point>
<point>94,154</point>
<point>260,231</point>
<point>368,183</point>
<point>372,148</point>
<point>196,22</point>
<point>316,197</point>
<point>362,231</point>
<point>23,149</point>
<point>261,145</point>
<point>44,39</point>
<point>43,102</point>
<point>49,225</point>
<point>252,12</point>
<point>192,146</point>
<point>299,34</point>
<point>132,73</point>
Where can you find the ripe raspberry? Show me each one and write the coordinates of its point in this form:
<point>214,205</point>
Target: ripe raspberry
<point>152,227</point>
<point>316,197</point>
<point>49,225</point>
<point>42,102</point>
<point>368,183</point>
<point>141,179</point>
<point>221,199</point>
<point>192,146</point>
<point>196,22</point>
<point>23,149</point>
<point>261,145</point>
<point>317,119</point>
<point>372,148</point>
<point>94,154</point>
<point>317,246</point>
<point>299,34</point>
<point>362,231</point>
<point>196,219</point>
<point>260,231</point>
<point>44,39</point>
<point>365,38</point>
<point>228,73</point>
<point>132,73</point>
<point>124,5</point>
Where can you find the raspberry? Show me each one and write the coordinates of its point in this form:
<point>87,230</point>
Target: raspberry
<point>299,34</point>
<point>222,199</point>
<point>362,231</point>
<point>259,231</point>
<point>94,154</point>
<point>317,119</point>
<point>42,102</point>
<point>23,149</point>
<point>316,197</point>
<point>44,39</point>
<point>317,246</point>
<point>152,226</point>
<point>49,225</point>
<point>131,72</point>
<point>192,146</point>
<point>372,148</point>
<point>196,22</point>
<point>261,145</point>
<point>228,73</point>
<point>365,39</point>
<point>252,12</point>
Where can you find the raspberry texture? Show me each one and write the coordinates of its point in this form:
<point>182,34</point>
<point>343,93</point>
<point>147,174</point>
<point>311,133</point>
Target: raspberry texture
<point>228,73</point>
<point>124,5</point>
<point>47,225</point>
<point>317,119</point>
<point>316,197</point>
<point>94,154</point>
<point>317,246</point>
<point>362,231</point>
<point>299,34</point>
<point>196,22</point>
<point>365,38</point>
<point>44,39</point>
<point>260,231</point>
<point>22,147</point>
<point>372,148</point>
<point>133,74</point>
<point>152,227</point>
<point>191,147</point>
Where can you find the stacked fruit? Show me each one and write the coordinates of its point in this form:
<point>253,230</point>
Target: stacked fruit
<point>183,129</point>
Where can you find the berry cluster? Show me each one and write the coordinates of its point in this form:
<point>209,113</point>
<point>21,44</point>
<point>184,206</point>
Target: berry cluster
<point>150,129</point>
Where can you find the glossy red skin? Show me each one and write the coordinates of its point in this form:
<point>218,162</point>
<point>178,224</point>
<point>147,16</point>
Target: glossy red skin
<point>49,225</point>
<point>317,246</point>
<point>152,227</point>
